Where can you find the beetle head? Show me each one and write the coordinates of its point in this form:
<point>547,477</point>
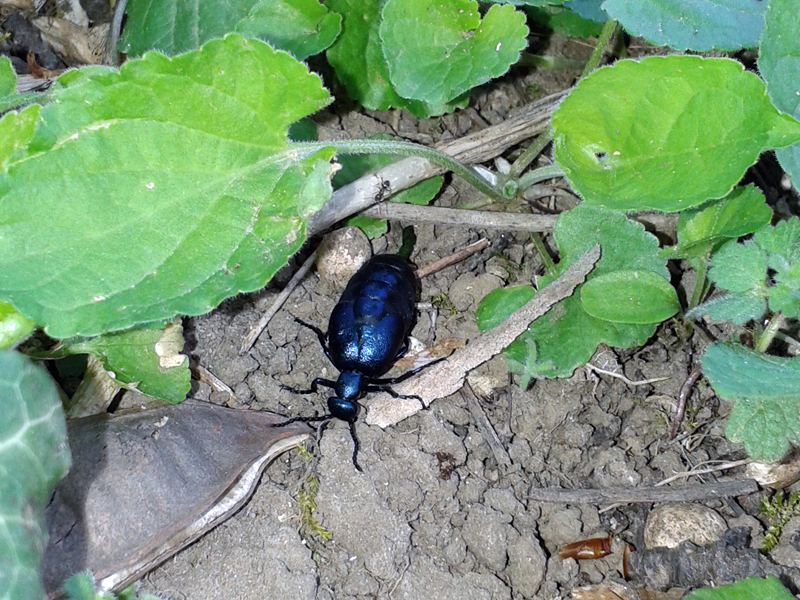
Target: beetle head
<point>346,410</point>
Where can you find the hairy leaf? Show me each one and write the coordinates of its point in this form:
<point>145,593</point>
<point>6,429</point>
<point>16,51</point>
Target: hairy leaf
<point>567,336</point>
<point>437,51</point>
<point>766,415</point>
<point>699,25</point>
<point>8,77</point>
<point>739,268</point>
<point>564,20</point>
<point>736,308</point>
<point>157,190</point>
<point>640,135</point>
<point>34,455</point>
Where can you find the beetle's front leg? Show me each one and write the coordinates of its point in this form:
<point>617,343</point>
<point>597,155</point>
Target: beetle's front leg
<point>393,394</point>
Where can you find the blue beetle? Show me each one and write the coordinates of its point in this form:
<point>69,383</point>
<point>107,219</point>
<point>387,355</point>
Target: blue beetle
<point>367,332</point>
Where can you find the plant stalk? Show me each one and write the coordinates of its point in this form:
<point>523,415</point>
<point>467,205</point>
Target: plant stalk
<point>540,174</point>
<point>765,339</point>
<point>602,41</point>
<point>699,285</point>
<point>400,148</point>
<point>538,244</point>
<point>530,153</point>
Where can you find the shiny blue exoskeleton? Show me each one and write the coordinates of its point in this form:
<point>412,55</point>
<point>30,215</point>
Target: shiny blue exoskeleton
<point>367,332</point>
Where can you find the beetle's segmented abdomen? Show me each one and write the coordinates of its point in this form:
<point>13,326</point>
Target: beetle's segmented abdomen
<point>369,325</point>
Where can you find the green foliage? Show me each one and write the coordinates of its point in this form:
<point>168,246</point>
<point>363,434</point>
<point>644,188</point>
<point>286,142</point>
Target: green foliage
<point>81,587</point>
<point>302,27</point>
<point>769,588</point>
<point>700,25</point>
<point>703,228</point>
<point>742,270</point>
<point>630,297</point>
<point>146,358</point>
<point>766,391</point>
<point>565,20</point>
<point>8,78</point>
<point>152,234</point>
<point>14,327</point>
<point>567,336</point>
<point>637,135</point>
<point>34,455</point>
<point>779,64</point>
<point>780,511</point>
<point>439,57</point>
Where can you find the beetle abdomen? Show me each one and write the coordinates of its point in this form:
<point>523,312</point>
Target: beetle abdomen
<point>369,325</point>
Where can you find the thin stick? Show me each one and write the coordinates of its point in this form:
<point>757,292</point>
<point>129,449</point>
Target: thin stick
<point>200,373</point>
<point>686,391</point>
<point>477,147</point>
<point>252,336</point>
<point>485,426</point>
<point>625,495</point>
<point>631,383</point>
<point>438,215</point>
<point>693,472</point>
<point>452,259</point>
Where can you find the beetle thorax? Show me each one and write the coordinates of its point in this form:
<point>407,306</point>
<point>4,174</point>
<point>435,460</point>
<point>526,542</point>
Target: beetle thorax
<point>349,384</point>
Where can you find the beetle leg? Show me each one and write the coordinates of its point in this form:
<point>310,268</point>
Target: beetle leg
<point>323,337</point>
<point>302,420</point>
<point>355,445</point>
<point>313,389</point>
<point>392,393</point>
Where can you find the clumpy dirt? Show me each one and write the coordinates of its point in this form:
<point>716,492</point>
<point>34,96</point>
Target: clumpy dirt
<point>434,515</point>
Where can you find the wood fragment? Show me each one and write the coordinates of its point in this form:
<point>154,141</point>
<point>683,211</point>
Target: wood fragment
<point>447,376</point>
<point>200,373</point>
<point>485,427</point>
<point>452,259</point>
<point>678,493</point>
<point>686,391</point>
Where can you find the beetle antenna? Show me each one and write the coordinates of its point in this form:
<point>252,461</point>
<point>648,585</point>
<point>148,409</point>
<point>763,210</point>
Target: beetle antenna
<point>355,445</point>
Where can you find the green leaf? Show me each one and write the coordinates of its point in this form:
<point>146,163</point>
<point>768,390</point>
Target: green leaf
<point>700,25</point>
<point>785,298</point>
<point>34,455</point>
<point>640,135</point>
<point>766,415</point>
<point>740,268</point>
<point>736,308</point>
<point>8,77</point>
<point>589,9</point>
<point>630,297</point>
<point>741,212</point>
<point>303,27</point>
<point>564,20</point>
<point>499,303</point>
<point>173,188</point>
<point>529,2</point>
<point>746,589</point>
<point>779,64</point>
<point>437,51</point>
<point>781,243</point>
<point>567,336</point>
<point>147,359</point>
<point>14,327</point>
<point>357,56</point>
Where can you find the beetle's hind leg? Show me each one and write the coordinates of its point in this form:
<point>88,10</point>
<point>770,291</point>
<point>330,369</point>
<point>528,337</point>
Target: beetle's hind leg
<point>355,445</point>
<point>321,336</point>
<point>313,389</point>
<point>393,394</point>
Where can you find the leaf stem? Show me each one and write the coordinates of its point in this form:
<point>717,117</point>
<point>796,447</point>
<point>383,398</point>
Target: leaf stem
<point>362,146</point>
<point>765,339</point>
<point>699,285</point>
<point>540,174</point>
<point>530,153</point>
<point>602,41</point>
